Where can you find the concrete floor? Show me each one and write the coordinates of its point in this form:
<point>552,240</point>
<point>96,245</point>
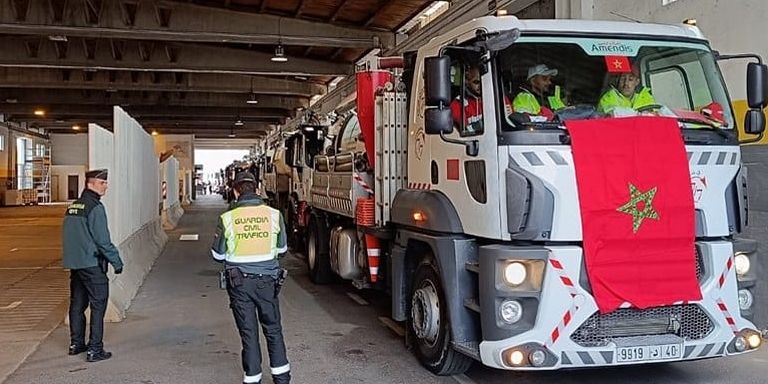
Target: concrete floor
<point>180,329</point>
<point>33,287</point>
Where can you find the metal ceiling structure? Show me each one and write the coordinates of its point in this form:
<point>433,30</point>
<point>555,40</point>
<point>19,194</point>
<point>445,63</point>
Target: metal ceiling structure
<point>191,66</point>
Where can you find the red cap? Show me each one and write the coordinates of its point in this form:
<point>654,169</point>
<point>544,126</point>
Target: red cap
<point>714,111</point>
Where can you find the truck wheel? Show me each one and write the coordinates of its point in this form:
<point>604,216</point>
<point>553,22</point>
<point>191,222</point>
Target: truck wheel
<point>430,325</point>
<point>318,258</point>
<point>296,241</point>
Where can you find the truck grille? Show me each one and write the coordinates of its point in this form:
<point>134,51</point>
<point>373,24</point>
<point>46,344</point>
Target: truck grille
<point>699,264</point>
<point>687,321</point>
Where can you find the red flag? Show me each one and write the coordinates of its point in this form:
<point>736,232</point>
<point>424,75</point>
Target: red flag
<point>637,213</point>
<point>618,64</point>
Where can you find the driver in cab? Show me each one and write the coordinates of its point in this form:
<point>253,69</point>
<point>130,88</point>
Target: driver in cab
<point>626,93</point>
<point>472,103</point>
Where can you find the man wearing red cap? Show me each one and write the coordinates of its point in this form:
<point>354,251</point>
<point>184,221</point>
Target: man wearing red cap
<point>627,93</point>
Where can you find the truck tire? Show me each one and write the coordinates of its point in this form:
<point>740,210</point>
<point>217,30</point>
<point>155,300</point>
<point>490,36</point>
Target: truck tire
<point>296,240</point>
<point>429,324</point>
<point>318,257</point>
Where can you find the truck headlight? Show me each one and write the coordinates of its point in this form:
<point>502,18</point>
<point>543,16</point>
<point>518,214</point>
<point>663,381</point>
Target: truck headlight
<point>511,311</point>
<point>515,273</point>
<point>742,264</point>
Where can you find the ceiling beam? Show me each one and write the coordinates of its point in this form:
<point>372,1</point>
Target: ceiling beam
<point>156,82</point>
<point>149,123</point>
<point>248,125</point>
<point>336,53</point>
<point>19,111</point>
<point>164,21</point>
<point>189,99</point>
<point>300,9</point>
<point>224,144</point>
<point>252,138</point>
<point>337,11</point>
<point>380,9</point>
<point>175,57</point>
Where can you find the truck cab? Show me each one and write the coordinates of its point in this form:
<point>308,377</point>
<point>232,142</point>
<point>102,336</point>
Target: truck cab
<point>462,202</point>
<point>509,183</point>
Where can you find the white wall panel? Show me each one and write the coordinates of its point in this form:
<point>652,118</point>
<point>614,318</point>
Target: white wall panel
<point>69,149</point>
<point>132,199</point>
<point>170,175</point>
<point>137,178</point>
<point>101,155</point>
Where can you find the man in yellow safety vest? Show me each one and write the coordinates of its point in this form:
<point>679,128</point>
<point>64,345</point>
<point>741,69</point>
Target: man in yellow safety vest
<point>249,239</point>
<point>533,98</point>
<point>627,93</point>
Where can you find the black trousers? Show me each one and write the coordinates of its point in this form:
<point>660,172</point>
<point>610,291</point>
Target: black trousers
<point>252,303</point>
<point>87,287</point>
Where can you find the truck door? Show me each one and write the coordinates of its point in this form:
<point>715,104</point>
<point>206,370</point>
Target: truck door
<point>470,181</point>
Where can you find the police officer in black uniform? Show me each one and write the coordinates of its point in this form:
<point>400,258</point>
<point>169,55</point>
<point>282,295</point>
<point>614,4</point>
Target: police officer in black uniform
<point>250,238</point>
<point>87,250</point>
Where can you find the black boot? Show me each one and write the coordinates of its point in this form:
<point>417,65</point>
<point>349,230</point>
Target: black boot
<point>94,356</point>
<point>75,349</point>
<point>283,378</point>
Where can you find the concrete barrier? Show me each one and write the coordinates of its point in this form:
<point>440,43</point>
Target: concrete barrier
<point>171,216</point>
<point>139,252</point>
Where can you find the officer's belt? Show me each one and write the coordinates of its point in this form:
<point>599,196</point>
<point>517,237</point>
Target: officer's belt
<point>256,275</point>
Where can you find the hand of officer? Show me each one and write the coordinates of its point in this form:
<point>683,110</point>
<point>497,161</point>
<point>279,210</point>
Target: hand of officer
<point>118,271</point>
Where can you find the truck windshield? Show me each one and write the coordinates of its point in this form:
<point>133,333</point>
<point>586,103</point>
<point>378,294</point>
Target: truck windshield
<point>551,79</point>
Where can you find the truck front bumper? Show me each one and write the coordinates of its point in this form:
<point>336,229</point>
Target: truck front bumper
<point>567,330</point>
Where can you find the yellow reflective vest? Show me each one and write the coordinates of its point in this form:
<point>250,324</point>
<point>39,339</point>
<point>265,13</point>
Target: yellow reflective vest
<point>612,99</point>
<point>527,102</point>
<point>251,234</point>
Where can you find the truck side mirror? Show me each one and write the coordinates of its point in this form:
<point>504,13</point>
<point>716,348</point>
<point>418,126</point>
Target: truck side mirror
<point>437,75</point>
<point>437,121</point>
<point>757,85</point>
<point>438,80</point>
<point>754,122</point>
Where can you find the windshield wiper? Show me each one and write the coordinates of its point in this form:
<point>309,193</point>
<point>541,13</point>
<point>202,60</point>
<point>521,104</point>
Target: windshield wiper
<point>543,125</point>
<point>710,126</point>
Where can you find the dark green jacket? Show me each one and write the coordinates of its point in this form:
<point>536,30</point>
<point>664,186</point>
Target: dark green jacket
<point>219,247</point>
<point>86,235</point>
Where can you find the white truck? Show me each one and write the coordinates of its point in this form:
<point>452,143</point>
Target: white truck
<point>275,174</point>
<point>461,227</point>
<point>301,148</point>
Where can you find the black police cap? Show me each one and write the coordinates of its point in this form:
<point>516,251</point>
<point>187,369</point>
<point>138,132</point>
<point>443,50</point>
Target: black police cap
<point>244,177</point>
<point>97,174</point>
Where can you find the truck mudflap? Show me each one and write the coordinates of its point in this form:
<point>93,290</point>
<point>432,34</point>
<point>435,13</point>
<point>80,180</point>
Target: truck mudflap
<point>569,331</point>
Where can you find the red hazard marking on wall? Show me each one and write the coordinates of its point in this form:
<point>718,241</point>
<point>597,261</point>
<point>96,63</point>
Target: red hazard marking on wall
<point>453,169</point>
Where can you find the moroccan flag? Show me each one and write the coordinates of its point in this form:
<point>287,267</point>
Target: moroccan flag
<point>617,64</point>
<point>637,213</point>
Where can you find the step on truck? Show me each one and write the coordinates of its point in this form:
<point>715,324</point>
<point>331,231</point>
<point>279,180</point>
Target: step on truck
<point>476,230</point>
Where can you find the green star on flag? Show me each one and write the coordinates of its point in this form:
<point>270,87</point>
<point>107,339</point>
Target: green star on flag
<point>639,206</point>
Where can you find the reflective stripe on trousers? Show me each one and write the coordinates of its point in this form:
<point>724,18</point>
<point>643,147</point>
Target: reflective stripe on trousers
<point>254,303</point>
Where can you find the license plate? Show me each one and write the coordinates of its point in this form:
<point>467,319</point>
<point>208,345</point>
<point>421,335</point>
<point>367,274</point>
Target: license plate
<point>649,353</point>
